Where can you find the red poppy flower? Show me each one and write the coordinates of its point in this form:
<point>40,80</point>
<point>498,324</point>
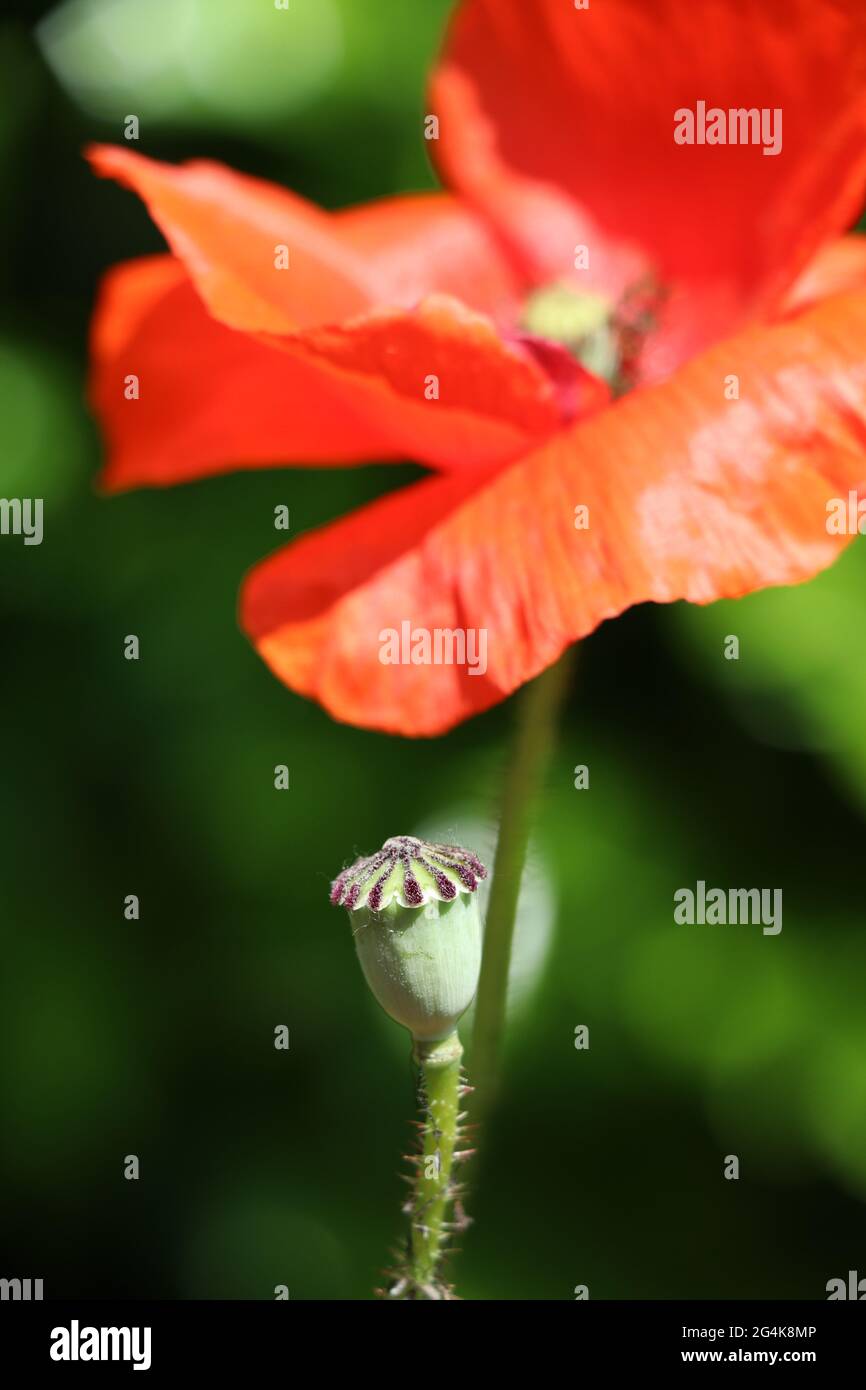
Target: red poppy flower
<point>479,331</point>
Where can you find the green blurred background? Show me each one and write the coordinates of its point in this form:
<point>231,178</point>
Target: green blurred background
<point>604,1167</point>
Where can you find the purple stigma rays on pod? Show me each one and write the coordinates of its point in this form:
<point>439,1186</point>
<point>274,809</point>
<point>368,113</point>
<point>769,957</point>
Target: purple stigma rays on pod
<point>412,890</point>
<point>467,877</point>
<point>411,871</point>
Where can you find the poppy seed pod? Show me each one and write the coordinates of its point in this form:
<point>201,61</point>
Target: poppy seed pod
<point>417,930</point>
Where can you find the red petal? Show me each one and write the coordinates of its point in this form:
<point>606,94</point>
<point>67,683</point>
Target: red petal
<point>228,228</point>
<point>690,495</point>
<point>212,399</point>
<point>539,224</point>
<point>581,103</point>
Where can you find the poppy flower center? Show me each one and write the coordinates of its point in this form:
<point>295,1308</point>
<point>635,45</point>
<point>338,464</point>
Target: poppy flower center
<point>603,335</point>
<point>584,324</point>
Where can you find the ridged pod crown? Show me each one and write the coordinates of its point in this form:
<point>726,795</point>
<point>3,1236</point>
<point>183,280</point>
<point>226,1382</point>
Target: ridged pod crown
<point>408,871</point>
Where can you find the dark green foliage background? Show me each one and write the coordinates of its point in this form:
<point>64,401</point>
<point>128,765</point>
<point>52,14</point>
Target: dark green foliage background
<point>155,1038</point>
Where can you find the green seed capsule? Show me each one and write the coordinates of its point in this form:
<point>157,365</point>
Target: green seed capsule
<point>417,930</point>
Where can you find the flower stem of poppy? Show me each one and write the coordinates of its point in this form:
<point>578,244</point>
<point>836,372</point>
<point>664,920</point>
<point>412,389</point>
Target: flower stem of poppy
<point>441,1086</point>
<point>534,738</point>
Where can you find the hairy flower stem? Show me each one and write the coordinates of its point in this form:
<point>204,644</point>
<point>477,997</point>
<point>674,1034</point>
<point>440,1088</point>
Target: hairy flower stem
<point>439,1064</point>
<point>533,742</point>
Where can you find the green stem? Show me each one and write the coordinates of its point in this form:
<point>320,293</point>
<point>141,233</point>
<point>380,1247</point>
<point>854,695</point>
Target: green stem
<point>441,1083</point>
<point>534,738</point>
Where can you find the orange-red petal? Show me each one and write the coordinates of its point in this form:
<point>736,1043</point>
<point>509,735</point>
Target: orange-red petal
<point>210,399</point>
<point>227,227</point>
<point>230,230</point>
<point>579,106</point>
<point>431,243</point>
<point>690,495</point>
<point>838,267</point>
